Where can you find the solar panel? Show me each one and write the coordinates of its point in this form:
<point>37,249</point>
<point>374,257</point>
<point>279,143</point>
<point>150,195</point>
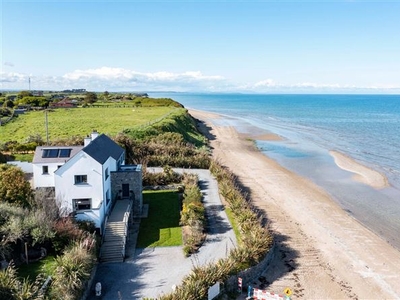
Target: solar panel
<point>50,153</point>
<point>64,153</point>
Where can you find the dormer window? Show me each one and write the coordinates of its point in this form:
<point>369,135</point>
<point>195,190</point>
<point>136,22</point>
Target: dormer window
<point>80,179</point>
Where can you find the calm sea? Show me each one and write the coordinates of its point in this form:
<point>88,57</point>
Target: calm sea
<point>365,127</point>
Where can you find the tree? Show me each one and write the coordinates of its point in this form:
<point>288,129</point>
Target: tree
<point>106,94</point>
<point>34,101</point>
<point>14,188</point>
<point>90,97</point>
<point>23,94</point>
<point>8,104</point>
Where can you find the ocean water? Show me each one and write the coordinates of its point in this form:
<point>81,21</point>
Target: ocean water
<point>364,127</point>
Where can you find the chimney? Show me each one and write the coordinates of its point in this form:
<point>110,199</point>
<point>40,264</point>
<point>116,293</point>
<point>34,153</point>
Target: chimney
<point>87,141</point>
<point>94,134</point>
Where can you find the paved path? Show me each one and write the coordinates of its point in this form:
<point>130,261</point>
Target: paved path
<point>150,272</point>
<point>119,210</point>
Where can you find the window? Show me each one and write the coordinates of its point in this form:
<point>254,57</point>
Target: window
<point>108,197</point>
<point>45,169</point>
<point>81,204</point>
<point>80,179</point>
<point>64,153</point>
<point>106,173</point>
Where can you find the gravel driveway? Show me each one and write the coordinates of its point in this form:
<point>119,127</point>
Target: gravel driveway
<point>150,272</point>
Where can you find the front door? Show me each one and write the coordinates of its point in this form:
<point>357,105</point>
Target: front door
<point>125,190</point>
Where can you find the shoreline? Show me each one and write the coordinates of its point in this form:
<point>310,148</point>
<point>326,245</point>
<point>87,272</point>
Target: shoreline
<point>324,253</point>
<point>362,173</point>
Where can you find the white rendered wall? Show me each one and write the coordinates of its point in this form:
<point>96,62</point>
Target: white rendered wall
<point>44,180</point>
<point>66,189</point>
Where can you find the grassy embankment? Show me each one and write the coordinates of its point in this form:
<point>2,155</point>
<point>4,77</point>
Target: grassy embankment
<point>138,123</point>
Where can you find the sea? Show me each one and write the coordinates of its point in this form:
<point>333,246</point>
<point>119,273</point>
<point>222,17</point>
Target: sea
<point>363,127</point>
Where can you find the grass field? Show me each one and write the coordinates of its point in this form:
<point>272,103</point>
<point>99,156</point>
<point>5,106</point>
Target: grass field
<point>161,228</point>
<point>64,123</point>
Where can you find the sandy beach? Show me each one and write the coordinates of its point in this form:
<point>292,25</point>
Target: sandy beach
<point>323,253</point>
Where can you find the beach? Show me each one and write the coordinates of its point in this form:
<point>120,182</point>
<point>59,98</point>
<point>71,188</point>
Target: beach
<point>322,251</point>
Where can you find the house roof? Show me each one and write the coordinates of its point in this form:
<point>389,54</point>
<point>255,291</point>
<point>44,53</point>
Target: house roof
<point>102,147</point>
<point>62,155</point>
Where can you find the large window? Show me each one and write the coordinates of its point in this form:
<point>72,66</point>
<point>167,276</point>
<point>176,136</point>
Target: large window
<point>45,169</point>
<point>82,204</point>
<point>80,179</point>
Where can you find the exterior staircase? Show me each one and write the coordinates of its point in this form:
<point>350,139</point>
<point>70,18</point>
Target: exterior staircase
<point>116,231</point>
<point>113,247</point>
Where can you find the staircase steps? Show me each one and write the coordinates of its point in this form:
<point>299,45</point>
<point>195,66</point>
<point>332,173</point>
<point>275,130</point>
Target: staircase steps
<point>113,242</point>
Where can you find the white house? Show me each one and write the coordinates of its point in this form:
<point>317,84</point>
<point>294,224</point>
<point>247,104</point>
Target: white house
<point>88,179</point>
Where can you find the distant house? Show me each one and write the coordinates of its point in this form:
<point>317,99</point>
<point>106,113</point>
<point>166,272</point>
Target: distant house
<point>64,103</point>
<point>88,179</point>
<point>76,91</point>
<point>37,93</point>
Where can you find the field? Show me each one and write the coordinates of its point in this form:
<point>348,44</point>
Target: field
<point>64,123</point>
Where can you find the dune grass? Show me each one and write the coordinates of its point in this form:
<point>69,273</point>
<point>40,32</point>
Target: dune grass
<point>161,227</point>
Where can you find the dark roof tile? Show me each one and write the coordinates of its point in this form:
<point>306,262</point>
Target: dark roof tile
<point>102,147</point>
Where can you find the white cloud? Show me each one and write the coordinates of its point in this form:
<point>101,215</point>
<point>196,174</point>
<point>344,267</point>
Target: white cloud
<point>12,77</point>
<point>9,64</point>
<point>265,83</point>
<point>120,79</point>
<point>123,78</point>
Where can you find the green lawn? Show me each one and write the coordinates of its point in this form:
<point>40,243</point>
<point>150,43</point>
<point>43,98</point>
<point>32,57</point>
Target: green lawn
<point>47,266</point>
<point>161,228</point>
<point>64,123</point>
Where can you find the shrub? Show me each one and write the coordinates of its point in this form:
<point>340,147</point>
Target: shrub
<point>67,231</point>
<point>11,287</point>
<point>14,188</point>
<point>192,215</point>
<point>73,269</point>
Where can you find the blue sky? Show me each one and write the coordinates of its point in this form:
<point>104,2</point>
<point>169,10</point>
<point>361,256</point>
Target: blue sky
<point>218,46</point>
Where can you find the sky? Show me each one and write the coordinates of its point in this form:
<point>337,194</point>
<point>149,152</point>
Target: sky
<point>202,46</point>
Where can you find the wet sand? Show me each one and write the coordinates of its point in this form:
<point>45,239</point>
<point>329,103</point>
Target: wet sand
<point>323,252</point>
<point>362,173</point>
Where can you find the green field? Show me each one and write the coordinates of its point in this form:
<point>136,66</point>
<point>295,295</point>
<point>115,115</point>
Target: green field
<point>64,123</point>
